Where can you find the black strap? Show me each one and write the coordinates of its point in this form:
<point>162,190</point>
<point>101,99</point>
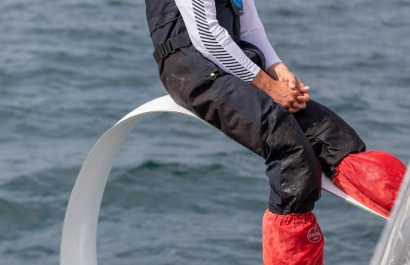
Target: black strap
<point>163,49</point>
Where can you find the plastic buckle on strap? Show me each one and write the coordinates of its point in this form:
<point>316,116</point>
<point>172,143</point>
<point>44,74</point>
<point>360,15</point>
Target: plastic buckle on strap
<point>162,50</point>
<point>165,48</point>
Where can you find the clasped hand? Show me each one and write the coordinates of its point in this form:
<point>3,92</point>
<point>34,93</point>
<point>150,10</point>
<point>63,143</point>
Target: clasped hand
<point>283,86</point>
<point>297,91</point>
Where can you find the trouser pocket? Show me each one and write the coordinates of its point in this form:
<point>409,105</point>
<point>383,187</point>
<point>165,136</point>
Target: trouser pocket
<point>186,73</point>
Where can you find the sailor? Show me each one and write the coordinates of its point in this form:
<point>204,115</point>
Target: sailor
<point>214,58</point>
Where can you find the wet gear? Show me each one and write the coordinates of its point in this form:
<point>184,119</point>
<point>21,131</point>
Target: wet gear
<point>295,147</point>
<point>372,178</point>
<point>293,239</point>
<point>163,49</point>
<point>214,28</point>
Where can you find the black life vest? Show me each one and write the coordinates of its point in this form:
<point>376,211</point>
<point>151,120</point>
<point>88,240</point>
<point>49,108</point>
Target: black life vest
<point>168,31</point>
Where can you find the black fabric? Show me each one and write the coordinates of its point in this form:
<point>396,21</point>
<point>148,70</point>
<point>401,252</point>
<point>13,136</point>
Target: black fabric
<point>228,19</point>
<point>253,119</point>
<point>294,147</point>
<point>330,136</point>
<point>163,49</point>
<point>164,21</point>
<point>253,53</point>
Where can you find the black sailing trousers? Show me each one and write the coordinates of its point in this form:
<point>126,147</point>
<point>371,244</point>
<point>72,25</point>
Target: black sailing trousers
<point>296,147</point>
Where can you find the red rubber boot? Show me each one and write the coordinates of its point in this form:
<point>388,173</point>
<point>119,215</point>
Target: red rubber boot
<point>372,178</point>
<point>292,239</point>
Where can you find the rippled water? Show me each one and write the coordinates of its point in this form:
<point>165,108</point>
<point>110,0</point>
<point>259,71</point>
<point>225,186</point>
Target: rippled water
<point>179,193</point>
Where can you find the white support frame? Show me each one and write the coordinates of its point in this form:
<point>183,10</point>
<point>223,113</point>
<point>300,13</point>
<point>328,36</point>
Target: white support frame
<point>78,242</point>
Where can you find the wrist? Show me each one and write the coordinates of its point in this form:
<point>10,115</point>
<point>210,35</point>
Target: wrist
<point>277,70</point>
<point>260,80</point>
<point>263,81</point>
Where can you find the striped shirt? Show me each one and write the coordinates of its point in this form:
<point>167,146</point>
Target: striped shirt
<point>214,42</point>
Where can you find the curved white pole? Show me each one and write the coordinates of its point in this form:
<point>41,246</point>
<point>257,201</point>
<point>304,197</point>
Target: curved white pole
<point>78,243</point>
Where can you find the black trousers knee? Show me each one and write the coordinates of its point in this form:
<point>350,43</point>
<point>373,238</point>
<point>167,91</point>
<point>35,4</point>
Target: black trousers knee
<point>295,146</point>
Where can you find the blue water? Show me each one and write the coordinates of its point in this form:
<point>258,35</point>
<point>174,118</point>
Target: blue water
<point>179,192</point>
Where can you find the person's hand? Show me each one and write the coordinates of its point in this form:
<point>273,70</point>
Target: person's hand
<point>280,72</point>
<point>302,99</point>
<point>290,98</point>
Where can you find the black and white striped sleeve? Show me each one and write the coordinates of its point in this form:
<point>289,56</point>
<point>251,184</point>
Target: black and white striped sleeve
<point>213,41</point>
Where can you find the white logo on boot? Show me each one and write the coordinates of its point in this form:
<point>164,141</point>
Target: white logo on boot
<point>314,235</point>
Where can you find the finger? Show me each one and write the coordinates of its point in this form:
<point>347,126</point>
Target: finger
<point>292,82</point>
<point>292,110</point>
<point>290,104</point>
<point>299,105</point>
<point>302,88</point>
<point>302,85</point>
<point>303,98</point>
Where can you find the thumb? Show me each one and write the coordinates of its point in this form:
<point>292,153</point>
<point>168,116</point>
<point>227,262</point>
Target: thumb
<point>292,83</point>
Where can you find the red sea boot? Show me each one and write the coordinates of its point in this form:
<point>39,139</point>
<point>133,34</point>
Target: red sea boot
<point>292,239</point>
<point>372,178</point>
